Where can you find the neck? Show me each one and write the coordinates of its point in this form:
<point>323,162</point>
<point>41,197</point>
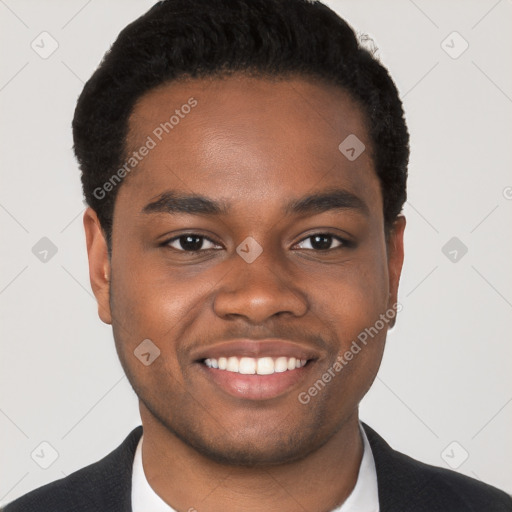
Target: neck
<point>187,480</point>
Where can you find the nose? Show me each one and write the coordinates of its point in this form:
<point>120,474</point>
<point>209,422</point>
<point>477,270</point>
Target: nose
<point>259,290</point>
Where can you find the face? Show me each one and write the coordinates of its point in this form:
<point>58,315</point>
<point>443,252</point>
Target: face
<point>251,252</point>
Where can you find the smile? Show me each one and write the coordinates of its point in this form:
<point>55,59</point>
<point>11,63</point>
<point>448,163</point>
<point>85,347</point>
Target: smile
<point>255,366</point>
<point>251,369</point>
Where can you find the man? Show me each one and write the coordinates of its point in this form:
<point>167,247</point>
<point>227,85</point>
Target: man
<point>245,165</point>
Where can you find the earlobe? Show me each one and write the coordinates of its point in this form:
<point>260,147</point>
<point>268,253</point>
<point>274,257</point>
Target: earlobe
<point>395,260</point>
<point>99,264</point>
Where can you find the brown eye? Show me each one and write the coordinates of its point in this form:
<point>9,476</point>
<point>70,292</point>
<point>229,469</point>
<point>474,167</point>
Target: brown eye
<point>322,242</point>
<point>191,242</point>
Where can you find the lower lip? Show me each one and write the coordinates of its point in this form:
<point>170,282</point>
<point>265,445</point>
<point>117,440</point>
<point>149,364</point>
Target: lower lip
<point>256,387</point>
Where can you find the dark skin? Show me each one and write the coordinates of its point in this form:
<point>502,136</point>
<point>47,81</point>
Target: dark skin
<point>256,145</point>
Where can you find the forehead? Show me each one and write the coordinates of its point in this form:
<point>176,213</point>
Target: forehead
<point>249,139</point>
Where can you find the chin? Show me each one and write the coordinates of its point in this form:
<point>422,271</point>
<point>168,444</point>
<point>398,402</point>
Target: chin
<point>244,447</point>
<point>262,453</point>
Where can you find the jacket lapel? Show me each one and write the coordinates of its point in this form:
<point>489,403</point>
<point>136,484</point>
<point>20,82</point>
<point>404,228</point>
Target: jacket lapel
<point>112,478</point>
<point>403,484</point>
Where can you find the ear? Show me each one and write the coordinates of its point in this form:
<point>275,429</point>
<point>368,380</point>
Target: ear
<point>395,248</point>
<point>99,264</point>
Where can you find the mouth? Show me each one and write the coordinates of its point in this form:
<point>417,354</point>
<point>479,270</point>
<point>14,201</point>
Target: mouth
<point>256,369</point>
<point>255,366</point>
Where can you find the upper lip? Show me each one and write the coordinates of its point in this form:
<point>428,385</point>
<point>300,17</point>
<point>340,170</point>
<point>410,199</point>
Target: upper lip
<point>245,347</point>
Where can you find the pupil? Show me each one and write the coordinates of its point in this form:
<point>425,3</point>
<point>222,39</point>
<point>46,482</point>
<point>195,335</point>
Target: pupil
<point>191,243</point>
<point>321,242</point>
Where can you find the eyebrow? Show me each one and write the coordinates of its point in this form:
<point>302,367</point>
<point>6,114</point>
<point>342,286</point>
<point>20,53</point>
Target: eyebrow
<point>320,202</point>
<point>177,202</point>
<point>336,199</point>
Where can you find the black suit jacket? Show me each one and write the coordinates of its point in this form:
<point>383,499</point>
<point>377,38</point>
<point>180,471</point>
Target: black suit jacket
<point>405,485</point>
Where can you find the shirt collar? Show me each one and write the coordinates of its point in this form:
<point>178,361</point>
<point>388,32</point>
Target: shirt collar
<point>363,498</point>
<point>365,495</point>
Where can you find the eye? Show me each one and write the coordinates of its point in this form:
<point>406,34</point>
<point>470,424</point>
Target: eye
<point>191,242</point>
<point>323,242</point>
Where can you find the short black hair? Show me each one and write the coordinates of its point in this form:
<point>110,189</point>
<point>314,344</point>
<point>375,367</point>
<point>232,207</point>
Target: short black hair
<point>214,38</point>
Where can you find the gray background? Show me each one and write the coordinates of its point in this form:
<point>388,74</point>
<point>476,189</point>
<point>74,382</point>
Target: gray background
<point>444,390</point>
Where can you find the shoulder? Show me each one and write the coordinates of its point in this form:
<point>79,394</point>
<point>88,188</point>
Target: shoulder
<point>407,484</point>
<point>104,485</point>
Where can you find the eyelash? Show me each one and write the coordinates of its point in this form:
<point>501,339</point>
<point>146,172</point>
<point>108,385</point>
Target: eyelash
<point>344,242</point>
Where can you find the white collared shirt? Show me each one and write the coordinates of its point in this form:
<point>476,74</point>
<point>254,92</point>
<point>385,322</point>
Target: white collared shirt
<point>363,498</point>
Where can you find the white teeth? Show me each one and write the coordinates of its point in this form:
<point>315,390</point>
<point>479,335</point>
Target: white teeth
<point>251,366</point>
<point>281,365</point>
<point>265,366</point>
<point>232,364</point>
<point>247,366</point>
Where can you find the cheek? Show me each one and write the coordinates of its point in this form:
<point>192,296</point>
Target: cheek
<point>350,301</point>
<point>146,306</point>
<point>351,296</point>
<point>150,305</point>
<point>352,312</point>
<point>150,300</point>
